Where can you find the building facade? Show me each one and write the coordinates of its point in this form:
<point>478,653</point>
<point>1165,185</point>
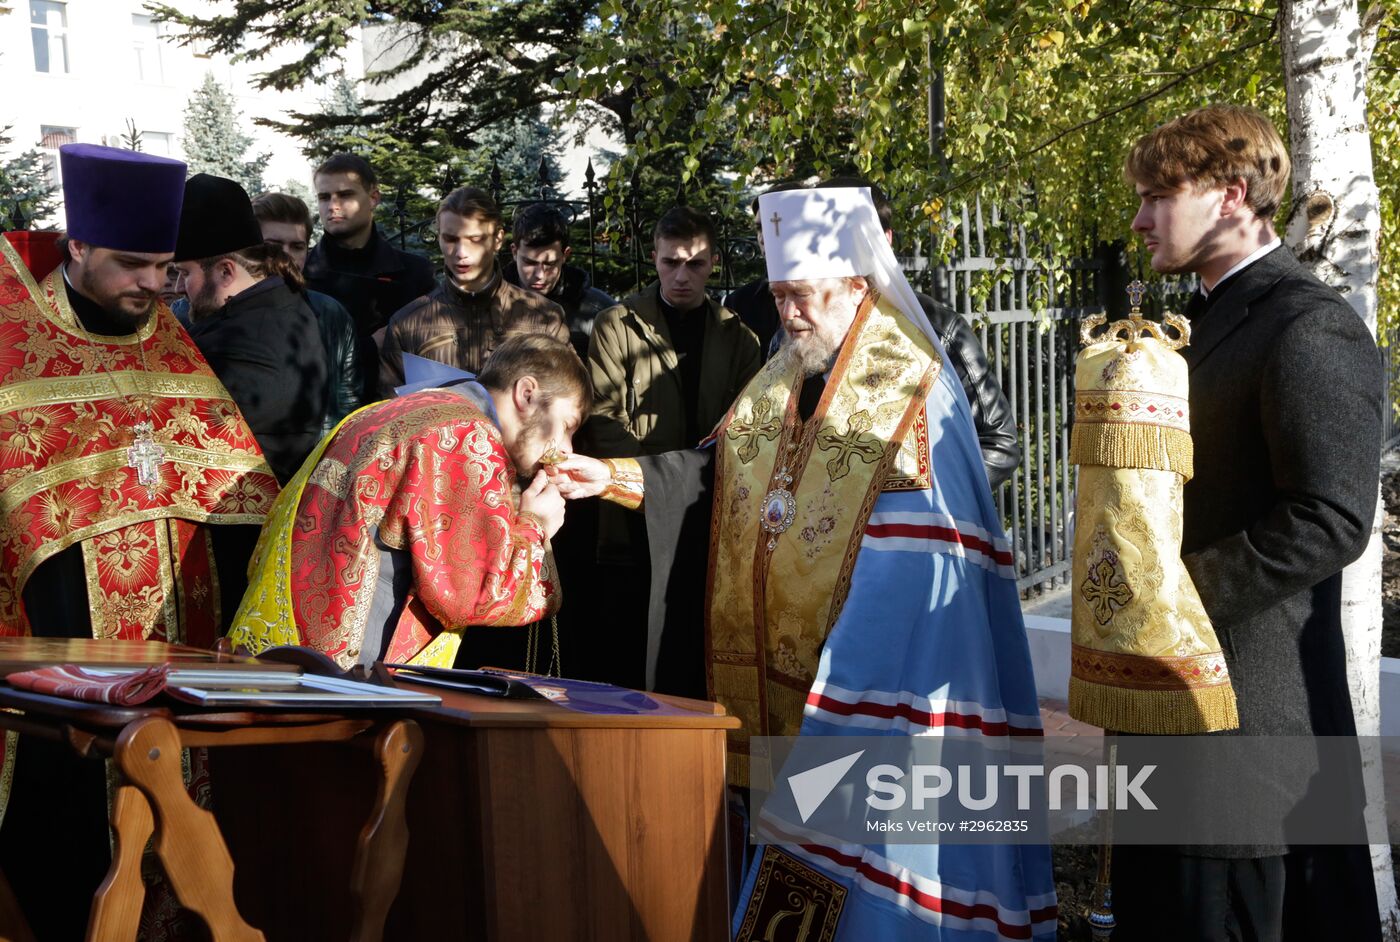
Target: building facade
<point>89,70</point>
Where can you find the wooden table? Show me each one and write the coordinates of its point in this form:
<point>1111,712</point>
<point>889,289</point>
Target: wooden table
<point>146,742</point>
<point>527,821</point>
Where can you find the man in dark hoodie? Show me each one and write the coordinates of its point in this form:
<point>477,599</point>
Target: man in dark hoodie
<point>540,248</point>
<point>354,264</point>
<point>250,319</point>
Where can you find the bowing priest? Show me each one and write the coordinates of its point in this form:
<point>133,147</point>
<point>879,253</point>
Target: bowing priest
<point>855,562</point>
<point>406,526</point>
<point>131,486</point>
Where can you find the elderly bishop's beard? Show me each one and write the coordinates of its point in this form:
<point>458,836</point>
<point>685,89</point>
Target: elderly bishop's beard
<point>814,349</point>
<point>808,354</point>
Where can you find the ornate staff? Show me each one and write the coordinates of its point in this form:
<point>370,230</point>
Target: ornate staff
<point>1101,921</point>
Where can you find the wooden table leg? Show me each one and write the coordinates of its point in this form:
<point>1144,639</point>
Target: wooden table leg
<point>116,906</point>
<point>13,926</point>
<point>188,841</point>
<point>383,843</point>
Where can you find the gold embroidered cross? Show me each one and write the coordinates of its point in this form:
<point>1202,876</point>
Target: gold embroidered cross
<point>1102,591</point>
<point>775,220</point>
<point>761,425</point>
<point>855,443</point>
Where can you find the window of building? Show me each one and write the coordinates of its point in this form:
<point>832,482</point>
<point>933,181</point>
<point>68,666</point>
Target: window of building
<point>160,143</point>
<point>51,138</point>
<point>48,28</point>
<point>148,32</point>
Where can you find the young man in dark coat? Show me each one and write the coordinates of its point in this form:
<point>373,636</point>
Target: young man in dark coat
<point>251,321</point>
<point>1286,404</point>
<point>354,264</point>
<point>540,253</point>
<point>286,223</point>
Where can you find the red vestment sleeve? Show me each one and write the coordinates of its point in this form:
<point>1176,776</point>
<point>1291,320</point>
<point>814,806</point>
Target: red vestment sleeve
<point>476,560</point>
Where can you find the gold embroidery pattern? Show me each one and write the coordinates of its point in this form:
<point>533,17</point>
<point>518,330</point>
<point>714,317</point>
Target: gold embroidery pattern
<point>780,594</point>
<point>1104,588</point>
<point>762,424</point>
<point>911,465</point>
<point>64,474</point>
<point>1140,673</point>
<point>856,443</point>
<point>791,900</point>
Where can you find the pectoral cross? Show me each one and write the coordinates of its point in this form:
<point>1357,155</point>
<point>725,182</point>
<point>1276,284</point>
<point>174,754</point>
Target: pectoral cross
<point>855,443</point>
<point>748,433</point>
<point>1102,592</point>
<point>146,456</point>
<point>775,220</point>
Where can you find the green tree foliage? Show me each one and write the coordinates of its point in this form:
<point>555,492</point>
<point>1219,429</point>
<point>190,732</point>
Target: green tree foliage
<point>481,73</point>
<point>490,61</point>
<point>25,192</point>
<point>214,141</point>
<point>1043,96</point>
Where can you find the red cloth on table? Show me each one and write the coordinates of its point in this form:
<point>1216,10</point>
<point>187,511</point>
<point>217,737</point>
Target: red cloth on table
<point>68,680</point>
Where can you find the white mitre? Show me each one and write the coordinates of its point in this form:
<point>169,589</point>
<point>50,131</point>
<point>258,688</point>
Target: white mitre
<point>834,232</point>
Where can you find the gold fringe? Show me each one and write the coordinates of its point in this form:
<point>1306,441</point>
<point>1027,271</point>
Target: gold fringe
<point>1131,445</point>
<point>736,773</point>
<point>1155,712</point>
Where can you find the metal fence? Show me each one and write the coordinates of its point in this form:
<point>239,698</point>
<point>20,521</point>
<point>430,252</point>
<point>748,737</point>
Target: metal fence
<point>1026,311</point>
<point>1389,353</point>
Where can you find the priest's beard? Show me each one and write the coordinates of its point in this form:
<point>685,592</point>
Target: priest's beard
<point>812,345</point>
<point>130,308</point>
<point>205,302</point>
<point>529,444</point>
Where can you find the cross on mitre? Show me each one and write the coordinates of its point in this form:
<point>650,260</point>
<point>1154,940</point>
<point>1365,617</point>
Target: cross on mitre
<point>1136,292</point>
<point>775,220</point>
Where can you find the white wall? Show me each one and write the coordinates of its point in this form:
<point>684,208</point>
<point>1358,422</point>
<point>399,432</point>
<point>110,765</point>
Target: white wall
<point>102,88</point>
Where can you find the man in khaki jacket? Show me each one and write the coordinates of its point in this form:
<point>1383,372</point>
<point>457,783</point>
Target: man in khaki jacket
<point>666,364</point>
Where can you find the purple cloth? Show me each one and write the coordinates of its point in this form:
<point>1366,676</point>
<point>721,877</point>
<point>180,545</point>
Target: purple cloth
<point>121,199</point>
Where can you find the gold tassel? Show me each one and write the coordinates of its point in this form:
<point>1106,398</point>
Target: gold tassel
<point>1155,712</point>
<point>1132,445</point>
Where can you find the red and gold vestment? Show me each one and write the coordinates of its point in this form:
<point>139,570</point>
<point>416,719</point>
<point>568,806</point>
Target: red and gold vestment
<point>71,404</point>
<point>426,475</point>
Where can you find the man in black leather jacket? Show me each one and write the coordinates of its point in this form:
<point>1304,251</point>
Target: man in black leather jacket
<point>991,413</point>
<point>286,222</point>
<point>540,250</point>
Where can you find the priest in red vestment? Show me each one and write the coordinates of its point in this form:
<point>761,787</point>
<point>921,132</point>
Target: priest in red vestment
<point>404,527</point>
<point>131,489</point>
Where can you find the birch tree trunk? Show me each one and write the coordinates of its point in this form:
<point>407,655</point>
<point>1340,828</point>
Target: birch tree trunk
<point>1334,228</point>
